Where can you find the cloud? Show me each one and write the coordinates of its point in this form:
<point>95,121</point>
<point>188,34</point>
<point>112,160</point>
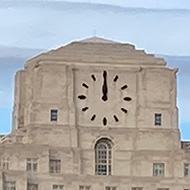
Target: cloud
<point>47,25</point>
<point>16,52</point>
<point>12,59</point>
<point>161,4</point>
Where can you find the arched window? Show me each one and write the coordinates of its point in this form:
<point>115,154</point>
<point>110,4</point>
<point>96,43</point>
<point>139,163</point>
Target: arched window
<point>103,155</point>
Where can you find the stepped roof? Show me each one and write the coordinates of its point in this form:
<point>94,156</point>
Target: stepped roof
<point>99,50</point>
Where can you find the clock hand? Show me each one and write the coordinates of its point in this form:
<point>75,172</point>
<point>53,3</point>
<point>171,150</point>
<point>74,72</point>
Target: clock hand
<point>105,87</point>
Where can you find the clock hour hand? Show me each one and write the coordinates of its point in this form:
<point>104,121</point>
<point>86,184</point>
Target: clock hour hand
<point>105,87</point>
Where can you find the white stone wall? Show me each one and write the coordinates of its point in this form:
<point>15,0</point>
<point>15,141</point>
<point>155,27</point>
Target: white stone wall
<point>54,80</point>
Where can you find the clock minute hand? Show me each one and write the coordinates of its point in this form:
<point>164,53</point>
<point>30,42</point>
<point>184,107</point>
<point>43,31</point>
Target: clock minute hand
<point>104,87</point>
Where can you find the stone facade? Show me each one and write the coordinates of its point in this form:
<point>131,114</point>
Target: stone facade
<point>95,115</point>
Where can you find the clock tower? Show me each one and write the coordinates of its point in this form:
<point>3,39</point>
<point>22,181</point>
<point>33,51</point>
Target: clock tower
<point>96,114</point>
<point>97,88</point>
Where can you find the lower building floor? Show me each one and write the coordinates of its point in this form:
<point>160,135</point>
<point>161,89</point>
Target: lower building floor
<point>15,180</point>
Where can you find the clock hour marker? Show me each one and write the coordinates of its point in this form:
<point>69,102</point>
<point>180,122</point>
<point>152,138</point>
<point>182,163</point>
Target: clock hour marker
<point>82,97</point>
<point>93,117</point>
<point>93,77</point>
<point>116,78</point>
<point>124,110</point>
<point>116,118</point>
<point>124,87</point>
<point>85,85</point>
<point>105,87</point>
<point>127,99</point>
<point>104,121</point>
<point>85,108</point>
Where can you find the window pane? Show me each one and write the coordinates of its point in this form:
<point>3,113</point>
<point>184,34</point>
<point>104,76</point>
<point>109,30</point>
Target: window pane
<point>55,166</point>
<point>31,186</point>
<point>9,185</point>
<point>4,163</point>
<point>31,164</point>
<point>158,169</point>
<point>103,157</point>
<point>58,187</point>
<point>137,188</point>
<point>187,169</point>
<point>110,188</point>
<point>158,119</point>
<point>54,115</point>
<point>84,187</point>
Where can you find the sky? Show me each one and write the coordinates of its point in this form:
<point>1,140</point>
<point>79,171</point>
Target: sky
<point>154,4</point>
<point>28,27</point>
<point>49,24</point>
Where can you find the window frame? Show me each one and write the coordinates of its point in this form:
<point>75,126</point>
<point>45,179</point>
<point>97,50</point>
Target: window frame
<point>187,168</point>
<point>158,171</point>
<point>33,162</point>
<point>103,157</point>
<point>59,187</point>
<point>110,187</point>
<point>137,188</point>
<point>9,185</point>
<point>158,119</point>
<point>4,163</point>
<point>53,115</point>
<point>56,164</point>
<point>84,187</point>
<point>32,186</point>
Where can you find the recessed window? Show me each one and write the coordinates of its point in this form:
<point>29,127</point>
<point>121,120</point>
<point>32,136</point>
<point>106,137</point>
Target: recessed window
<point>54,114</point>
<point>84,187</point>
<point>54,166</point>
<point>9,185</point>
<point>32,186</point>
<point>158,169</point>
<point>163,189</point>
<point>110,188</point>
<point>137,188</point>
<point>4,163</point>
<point>158,119</point>
<point>187,169</point>
<point>32,165</point>
<point>58,187</point>
<point>103,154</point>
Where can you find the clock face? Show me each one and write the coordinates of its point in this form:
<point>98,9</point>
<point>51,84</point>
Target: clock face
<point>103,97</point>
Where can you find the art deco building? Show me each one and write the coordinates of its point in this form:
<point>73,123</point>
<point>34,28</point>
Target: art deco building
<point>95,115</point>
